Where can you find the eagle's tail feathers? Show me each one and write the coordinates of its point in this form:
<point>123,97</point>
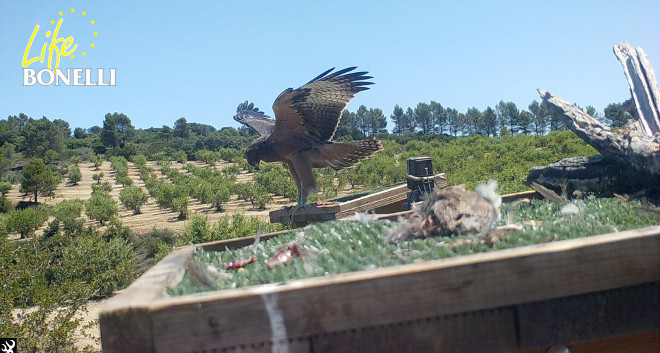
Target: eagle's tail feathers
<point>340,155</point>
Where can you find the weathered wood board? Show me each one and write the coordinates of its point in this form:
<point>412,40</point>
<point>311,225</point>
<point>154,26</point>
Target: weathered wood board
<point>395,195</point>
<point>367,307</point>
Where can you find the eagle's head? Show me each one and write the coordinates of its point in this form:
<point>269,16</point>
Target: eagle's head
<point>253,155</point>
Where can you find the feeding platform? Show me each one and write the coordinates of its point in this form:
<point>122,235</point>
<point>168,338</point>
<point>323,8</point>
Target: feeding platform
<point>598,292</point>
<point>382,201</point>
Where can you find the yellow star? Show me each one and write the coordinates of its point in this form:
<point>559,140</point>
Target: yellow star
<point>92,21</point>
<point>60,13</point>
<point>84,53</point>
<point>73,56</point>
<point>96,33</point>
<point>92,45</point>
<point>84,13</point>
<point>52,22</point>
<point>72,10</point>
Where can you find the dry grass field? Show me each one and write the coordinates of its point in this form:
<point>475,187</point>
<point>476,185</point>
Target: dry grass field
<point>151,216</point>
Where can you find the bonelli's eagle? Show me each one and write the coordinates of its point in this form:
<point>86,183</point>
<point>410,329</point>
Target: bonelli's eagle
<point>305,121</point>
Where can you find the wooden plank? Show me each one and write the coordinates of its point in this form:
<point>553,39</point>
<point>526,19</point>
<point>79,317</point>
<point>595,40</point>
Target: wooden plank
<point>367,200</point>
<point>410,292</point>
<point>311,213</point>
<point>642,342</point>
<point>221,245</point>
<point>531,194</point>
<point>590,316</point>
<point>301,345</point>
<point>482,331</point>
<point>386,197</point>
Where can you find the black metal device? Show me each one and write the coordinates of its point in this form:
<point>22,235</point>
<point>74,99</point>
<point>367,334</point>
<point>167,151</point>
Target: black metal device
<point>420,178</point>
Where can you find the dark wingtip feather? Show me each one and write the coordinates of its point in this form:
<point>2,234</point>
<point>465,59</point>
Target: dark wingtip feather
<point>321,75</point>
<point>248,107</point>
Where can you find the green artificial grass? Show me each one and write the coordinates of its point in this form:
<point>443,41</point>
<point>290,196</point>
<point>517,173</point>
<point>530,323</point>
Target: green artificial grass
<point>346,246</point>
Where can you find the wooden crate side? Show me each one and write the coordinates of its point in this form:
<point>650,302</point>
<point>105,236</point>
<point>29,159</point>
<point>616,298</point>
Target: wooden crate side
<point>642,342</point>
<point>588,317</point>
<point>482,331</point>
<point>125,321</point>
<point>409,292</point>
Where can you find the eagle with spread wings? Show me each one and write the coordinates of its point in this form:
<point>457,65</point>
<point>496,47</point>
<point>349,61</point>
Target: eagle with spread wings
<point>305,121</point>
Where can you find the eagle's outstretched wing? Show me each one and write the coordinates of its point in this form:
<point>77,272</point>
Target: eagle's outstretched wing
<point>315,108</point>
<point>251,116</point>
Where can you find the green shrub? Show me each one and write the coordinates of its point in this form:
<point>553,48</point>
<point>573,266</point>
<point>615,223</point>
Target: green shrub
<point>231,171</point>
<point>140,160</point>
<point>221,193</point>
<point>202,191</point>
<point>76,160</point>
<point>68,214</point>
<point>117,230</point>
<point>229,154</point>
<point>74,175</point>
<point>180,204</point>
<point>198,229</point>
<point>242,190</point>
<point>5,187</point>
<point>97,177</point>
<point>153,246</point>
<point>6,205</point>
<point>55,277</point>
<point>260,197</point>
<point>97,160</point>
<point>133,197</point>
<point>206,156</point>
<point>166,193</point>
<point>276,179</point>
<point>180,156</point>
<point>104,187</point>
<point>3,229</point>
<point>104,266</point>
<point>125,181</point>
<point>101,207</point>
<point>27,220</point>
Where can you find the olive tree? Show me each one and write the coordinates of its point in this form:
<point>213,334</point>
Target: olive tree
<point>101,207</point>
<point>74,175</point>
<point>133,197</point>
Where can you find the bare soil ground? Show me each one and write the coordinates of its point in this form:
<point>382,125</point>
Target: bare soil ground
<point>151,215</point>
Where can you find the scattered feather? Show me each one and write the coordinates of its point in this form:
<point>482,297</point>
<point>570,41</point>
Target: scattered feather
<point>570,210</point>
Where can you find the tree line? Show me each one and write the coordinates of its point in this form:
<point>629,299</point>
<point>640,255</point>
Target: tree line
<point>505,118</point>
<point>46,139</point>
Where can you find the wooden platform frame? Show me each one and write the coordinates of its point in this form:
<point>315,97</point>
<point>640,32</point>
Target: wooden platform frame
<point>382,202</point>
<point>483,302</point>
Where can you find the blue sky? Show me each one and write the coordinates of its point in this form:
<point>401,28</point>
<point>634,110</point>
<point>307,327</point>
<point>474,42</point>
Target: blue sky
<point>200,59</point>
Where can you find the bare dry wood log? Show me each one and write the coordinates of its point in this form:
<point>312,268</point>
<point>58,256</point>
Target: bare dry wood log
<point>643,86</point>
<point>630,156</point>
